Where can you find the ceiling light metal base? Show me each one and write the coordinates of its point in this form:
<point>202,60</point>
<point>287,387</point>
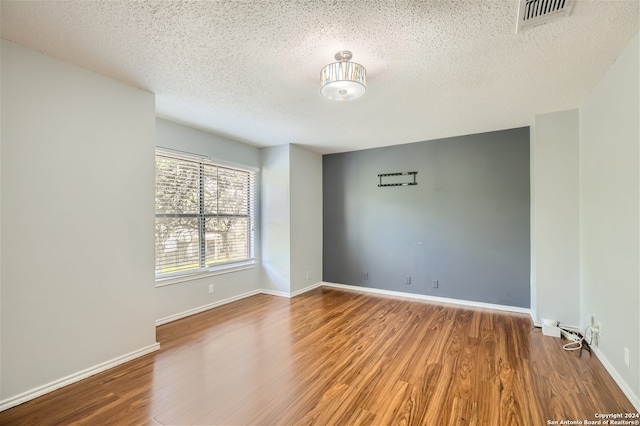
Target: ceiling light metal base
<point>343,56</point>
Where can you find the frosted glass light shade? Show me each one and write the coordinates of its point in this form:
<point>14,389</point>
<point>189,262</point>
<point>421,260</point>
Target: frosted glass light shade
<point>343,81</point>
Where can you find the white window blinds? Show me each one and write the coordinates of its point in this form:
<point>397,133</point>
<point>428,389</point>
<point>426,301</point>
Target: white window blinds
<point>205,214</point>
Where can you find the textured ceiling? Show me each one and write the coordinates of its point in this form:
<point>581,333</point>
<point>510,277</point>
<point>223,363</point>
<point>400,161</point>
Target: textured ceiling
<point>250,70</point>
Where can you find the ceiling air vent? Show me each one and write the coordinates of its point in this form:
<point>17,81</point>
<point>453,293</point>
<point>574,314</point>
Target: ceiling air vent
<point>532,13</point>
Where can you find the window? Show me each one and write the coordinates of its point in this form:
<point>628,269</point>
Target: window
<point>205,215</point>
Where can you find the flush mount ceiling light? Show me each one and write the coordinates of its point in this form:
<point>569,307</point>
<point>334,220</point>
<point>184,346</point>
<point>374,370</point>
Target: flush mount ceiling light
<point>343,80</point>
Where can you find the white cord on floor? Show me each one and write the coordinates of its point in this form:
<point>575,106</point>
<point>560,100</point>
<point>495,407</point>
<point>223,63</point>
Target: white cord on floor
<point>574,345</point>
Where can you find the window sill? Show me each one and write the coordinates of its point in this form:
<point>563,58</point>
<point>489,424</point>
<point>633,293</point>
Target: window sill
<point>219,270</point>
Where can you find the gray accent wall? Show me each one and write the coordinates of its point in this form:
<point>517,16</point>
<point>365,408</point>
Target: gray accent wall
<point>466,223</point>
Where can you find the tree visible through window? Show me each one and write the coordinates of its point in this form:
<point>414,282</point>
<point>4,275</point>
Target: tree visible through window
<point>205,214</point>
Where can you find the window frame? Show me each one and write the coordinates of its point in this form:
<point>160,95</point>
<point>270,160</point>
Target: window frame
<point>201,216</point>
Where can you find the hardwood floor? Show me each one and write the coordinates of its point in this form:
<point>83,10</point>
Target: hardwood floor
<point>333,357</point>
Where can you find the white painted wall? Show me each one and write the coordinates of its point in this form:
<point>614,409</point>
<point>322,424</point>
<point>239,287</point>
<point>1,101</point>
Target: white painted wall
<point>291,219</point>
<point>276,219</point>
<point>183,138</point>
<point>1,327</point>
<point>183,297</point>
<point>555,217</point>
<point>77,182</point>
<point>532,218</point>
<point>610,214</point>
<point>306,217</point>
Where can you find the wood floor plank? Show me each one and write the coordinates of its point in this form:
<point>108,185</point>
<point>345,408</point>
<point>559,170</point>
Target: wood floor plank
<point>362,417</point>
<point>333,357</point>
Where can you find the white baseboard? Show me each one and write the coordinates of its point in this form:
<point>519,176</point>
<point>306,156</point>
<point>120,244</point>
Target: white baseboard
<point>206,307</point>
<point>306,289</point>
<point>275,293</point>
<point>458,302</point>
<point>76,377</point>
<point>294,294</point>
<point>203,308</point>
<point>635,399</point>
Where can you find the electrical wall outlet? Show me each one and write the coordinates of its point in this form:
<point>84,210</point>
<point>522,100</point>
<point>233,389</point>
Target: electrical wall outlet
<point>308,275</point>
<point>407,280</point>
<point>434,283</point>
<point>626,356</point>
<point>211,290</point>
<point>365,276</point>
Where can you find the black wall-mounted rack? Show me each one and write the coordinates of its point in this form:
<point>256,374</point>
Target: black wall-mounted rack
<point>383,175</point>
